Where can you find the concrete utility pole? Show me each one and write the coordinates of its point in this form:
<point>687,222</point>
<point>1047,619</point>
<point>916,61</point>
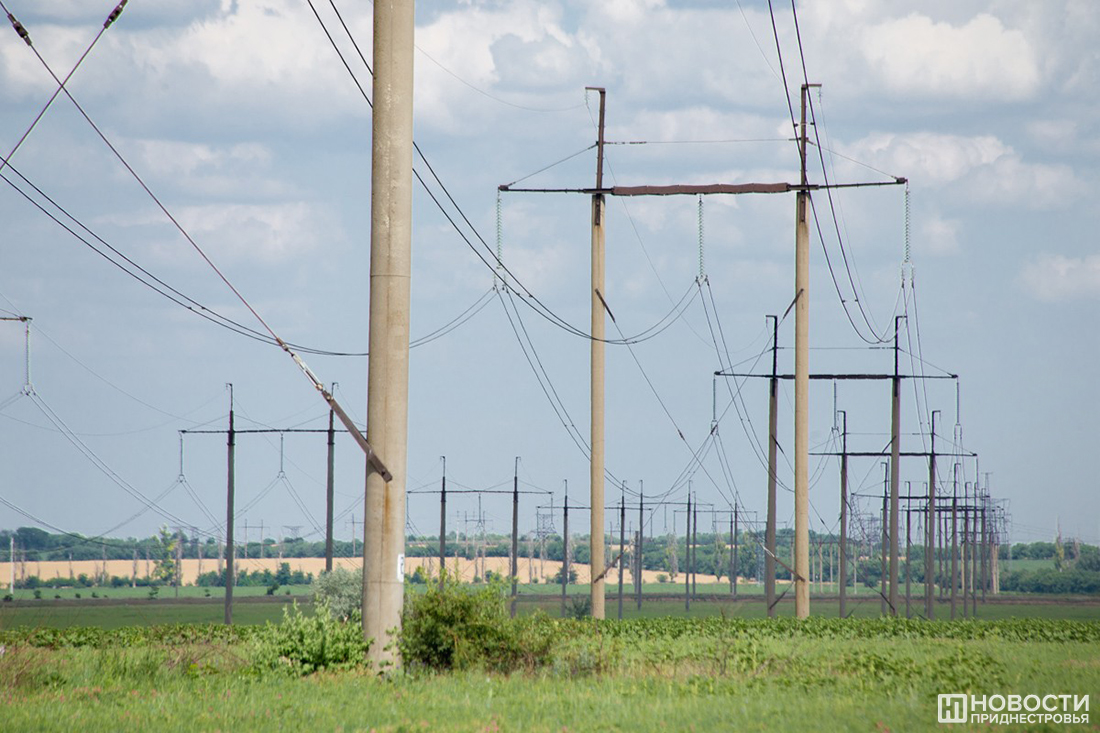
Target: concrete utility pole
<point>564,549</point>
<point>930,528</point>
<point>802,381</point>
<point>687,556</point>
<point>895,470</point>
<point>514,569</point>
<point>773,441</point>
<point>955,542</point>
<point>733,555</point>
<point>695,548</point>
<point>908,565</point>
<point>641,541</point>
<point>330,492</point>
<point>843,550</point>
<point>596,468</point>
<point>230,575</point>
<point>443,524</point>
<point>388,365</point>
<point>884,591</point>
<point>622,547</point>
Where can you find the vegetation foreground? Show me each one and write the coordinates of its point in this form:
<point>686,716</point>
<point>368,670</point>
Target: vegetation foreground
<point>470,668</point>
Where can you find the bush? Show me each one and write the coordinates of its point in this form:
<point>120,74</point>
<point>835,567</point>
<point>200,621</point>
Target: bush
<point>340,591</point>
<point>450,627</point>
<point>304,644</point>
<point>579,607</point>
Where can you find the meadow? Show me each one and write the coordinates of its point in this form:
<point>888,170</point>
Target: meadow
<point>166,664</point>
<point>637,675</point>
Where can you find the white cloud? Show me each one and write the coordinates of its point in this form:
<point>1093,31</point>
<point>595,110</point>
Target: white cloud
<point>938,236</point>
<point>266,234</point>
<point>1054,277</point>
<point>1009,180</point>
<point>983,168</point>
<point>981,59</point>
<point>928,157</point>
<point>239,171</point>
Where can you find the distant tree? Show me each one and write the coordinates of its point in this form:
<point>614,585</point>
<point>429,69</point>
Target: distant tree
<point>164,569</point>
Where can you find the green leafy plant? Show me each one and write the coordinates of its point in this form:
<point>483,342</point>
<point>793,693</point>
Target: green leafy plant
<point>306,643</point>
<point>453,627</point>
<point>340,591</point>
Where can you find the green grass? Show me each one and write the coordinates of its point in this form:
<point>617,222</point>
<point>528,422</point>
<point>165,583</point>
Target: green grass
<point>143,612</point>
<point>146,613</point>
<point>186,591</point>
<point>640,676</point>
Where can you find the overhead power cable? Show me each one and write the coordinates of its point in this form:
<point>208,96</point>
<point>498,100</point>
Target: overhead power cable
<point>490,260</point>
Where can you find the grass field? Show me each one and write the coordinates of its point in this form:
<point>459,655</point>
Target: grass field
<point>644,675</point>
<point>197,609</point>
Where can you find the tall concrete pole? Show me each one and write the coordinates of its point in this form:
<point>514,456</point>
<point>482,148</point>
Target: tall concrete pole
<point>230,575</point>
<point>773,424</point>
<point>895,470</point>
<point>596,468</point>
<point>514,569</point>
<point>843,552</point>
<point>695,548</point>
<point>955,543</point>
<point>733,541</point>
<point>641,541</point>
<point>687,557</point>
<point>802,384</point>
<point>443,525</point>
<point>330,489</point>
<point>388,364</point>
<point>930,528</point>
<point>985,551</point>
<point>564,549</point>
<point>622,547</point>
<point>884,541</point>
<point>908,564</point>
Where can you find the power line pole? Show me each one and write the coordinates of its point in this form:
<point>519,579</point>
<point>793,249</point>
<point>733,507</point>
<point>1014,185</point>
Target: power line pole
<point>231,443</point>
<point>908,563</point>
<point>930,528</point>
<point>955,542</point>
<point>515,536</point>
<point>687,556</point>
<point>622,546</point>
<point>733,563</point>
<point>802,381</point>
<point>443,524</point>
<point>895,471</point>
<point>388,363</point>
<point>695,548</point>
<point>596,467</point>
<point>773,442</point>
<point>884,604</point>
<point>641,541</point>
<point>843,550</point>
<point>564,548</point>
<point>330,493</point>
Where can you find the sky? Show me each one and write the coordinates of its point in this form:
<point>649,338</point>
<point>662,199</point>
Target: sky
<point>241,119</point>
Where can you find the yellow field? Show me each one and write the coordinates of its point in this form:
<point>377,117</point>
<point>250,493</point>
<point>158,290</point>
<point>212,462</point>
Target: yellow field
<point>528,570</point>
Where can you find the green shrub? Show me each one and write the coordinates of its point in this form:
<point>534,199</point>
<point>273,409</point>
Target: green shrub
<point>580,607</point>
<point>341,591</point>
<point>303,644</point>
<point>452,627</point>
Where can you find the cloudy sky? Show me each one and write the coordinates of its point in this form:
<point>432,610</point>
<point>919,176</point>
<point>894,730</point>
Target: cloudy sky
<point>240,117</point>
